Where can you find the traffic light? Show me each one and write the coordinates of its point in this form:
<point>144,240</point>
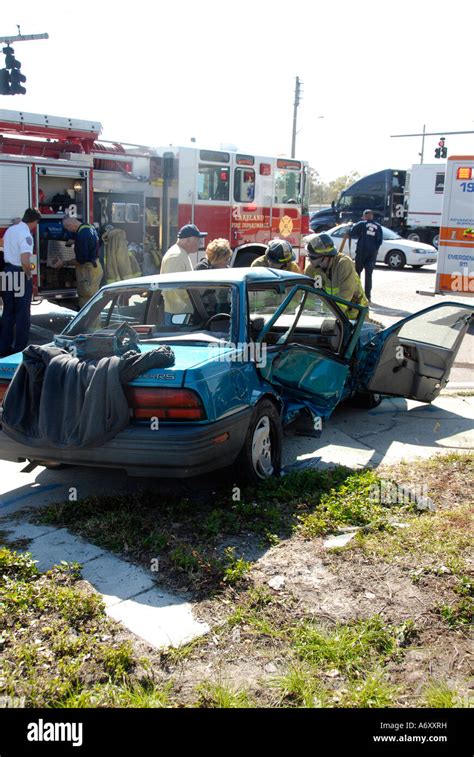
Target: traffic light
<point>11,78</point>
<point>441,151</point>
<point>16,78</point>
<point>5,82</point>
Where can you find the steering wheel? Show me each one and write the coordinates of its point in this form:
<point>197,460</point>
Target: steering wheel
<point>215,317</point>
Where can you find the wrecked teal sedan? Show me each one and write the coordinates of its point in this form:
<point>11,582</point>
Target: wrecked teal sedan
<point>255,350</point>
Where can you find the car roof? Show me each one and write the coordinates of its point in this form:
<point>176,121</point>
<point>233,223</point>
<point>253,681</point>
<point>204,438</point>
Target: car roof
<point>258,274</point>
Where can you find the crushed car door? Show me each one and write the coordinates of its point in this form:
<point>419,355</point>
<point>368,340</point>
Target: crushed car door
<point>413,358</point>
<point>306,341</point>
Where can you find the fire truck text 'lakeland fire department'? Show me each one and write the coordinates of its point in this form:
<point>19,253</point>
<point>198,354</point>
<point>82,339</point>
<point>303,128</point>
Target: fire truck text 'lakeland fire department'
<point>59,166</point>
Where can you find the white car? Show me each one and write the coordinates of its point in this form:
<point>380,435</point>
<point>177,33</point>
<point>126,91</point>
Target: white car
<point>395,251</point>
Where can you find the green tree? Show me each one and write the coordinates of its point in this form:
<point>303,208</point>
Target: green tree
<point>336,186</point>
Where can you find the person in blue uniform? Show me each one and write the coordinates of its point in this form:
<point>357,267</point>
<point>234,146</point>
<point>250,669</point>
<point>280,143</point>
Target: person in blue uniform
<point>89,271</point>
<point>369,237</point>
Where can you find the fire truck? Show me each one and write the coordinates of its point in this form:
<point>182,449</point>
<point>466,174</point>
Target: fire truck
<point>61,166</point>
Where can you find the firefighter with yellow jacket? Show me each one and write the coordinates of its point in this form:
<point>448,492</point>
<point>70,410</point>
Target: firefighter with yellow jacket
<point>336,272</point>
<point>279,254</point>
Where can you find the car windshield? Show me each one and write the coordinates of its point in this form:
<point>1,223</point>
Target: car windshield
<point>389,234</point>
<point>181,311</point>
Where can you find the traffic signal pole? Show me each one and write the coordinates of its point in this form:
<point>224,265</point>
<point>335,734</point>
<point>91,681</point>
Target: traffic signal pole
<point>424,134</point>
<point>11,77</point>
<point>23,38</point>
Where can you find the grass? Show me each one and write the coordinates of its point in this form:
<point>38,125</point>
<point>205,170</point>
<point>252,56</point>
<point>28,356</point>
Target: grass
<point>439,695</point>
<point>59,648</point>
<point>186,535</point>
<point>222,696</point>
<point>459,614</point>
<point>350,648</point>
<point>373,691</point>
<point>438,540</point>
<point>140,695</point>
<point>301,687</point>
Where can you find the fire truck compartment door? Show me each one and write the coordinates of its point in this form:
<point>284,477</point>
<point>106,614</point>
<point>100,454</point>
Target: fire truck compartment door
<point>14,191</point>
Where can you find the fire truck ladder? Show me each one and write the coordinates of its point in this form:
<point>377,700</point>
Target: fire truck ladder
<point>50,127</point>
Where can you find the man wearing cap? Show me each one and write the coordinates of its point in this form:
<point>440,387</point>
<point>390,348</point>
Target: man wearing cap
<point>334,272</point>
<point>279,254</point>
<point>177,260</point>
<point>369,237</point>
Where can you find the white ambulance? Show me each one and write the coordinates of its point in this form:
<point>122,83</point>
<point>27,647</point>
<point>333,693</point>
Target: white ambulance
<point>455,271</point>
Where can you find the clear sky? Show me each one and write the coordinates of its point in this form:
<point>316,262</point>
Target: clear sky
<point>162,72</point>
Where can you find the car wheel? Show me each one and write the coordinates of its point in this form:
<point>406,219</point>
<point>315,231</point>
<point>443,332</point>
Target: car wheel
<point>367,400</point>
<point>260,457</point>
<point>415,236</point>
<point>435,240</point>
<point>395,259</point>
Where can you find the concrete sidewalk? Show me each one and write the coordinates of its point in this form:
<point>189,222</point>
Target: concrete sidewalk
<point>397,430</point>
<point>130,594</point>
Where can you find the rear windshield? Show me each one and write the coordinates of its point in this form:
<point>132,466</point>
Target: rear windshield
<point>158,310</point>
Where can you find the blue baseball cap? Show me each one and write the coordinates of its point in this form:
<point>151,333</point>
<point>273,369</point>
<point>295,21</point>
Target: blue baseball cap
<point>190,230</point>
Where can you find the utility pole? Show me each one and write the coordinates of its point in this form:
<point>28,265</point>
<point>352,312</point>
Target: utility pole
<point>295,114</point>
<point>422,144</point>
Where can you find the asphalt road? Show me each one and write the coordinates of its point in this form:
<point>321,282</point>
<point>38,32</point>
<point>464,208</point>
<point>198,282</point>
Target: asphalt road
<point>394,294</point>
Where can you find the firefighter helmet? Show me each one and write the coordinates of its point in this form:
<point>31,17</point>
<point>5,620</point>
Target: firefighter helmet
<point>279,251</point>
<point>319,244</point>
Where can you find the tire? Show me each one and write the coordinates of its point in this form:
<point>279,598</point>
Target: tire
<point>367,400</point>
<point>260,456</point>
<point>435,240</point>
<point>395,259</point>
<point>319,229</point>
<point>415,236</point>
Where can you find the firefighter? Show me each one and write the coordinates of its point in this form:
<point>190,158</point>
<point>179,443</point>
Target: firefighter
<point>369,237</point>
<point>89,270</point>
<point>279,254</point>
<point>18,284</point>
<point>336,272</point>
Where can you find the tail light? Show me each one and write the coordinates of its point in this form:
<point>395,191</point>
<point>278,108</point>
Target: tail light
<point>3,388</point>
<point>166,404</point>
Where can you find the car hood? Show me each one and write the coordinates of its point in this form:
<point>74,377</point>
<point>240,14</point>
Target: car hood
<point>187,357</point>
<point>410,245</point>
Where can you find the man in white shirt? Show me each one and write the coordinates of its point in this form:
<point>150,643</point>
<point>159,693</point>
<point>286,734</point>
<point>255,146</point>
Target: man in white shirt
<point>17,249</point>
<point>177,260</point>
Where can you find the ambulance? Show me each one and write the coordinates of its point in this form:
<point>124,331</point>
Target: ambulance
<point>455,271</point>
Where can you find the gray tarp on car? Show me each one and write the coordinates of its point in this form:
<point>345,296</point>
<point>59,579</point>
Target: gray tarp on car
<point>57,400</point>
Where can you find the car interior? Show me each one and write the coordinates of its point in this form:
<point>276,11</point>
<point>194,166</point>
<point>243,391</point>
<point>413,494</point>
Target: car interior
<point>317,326</point>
